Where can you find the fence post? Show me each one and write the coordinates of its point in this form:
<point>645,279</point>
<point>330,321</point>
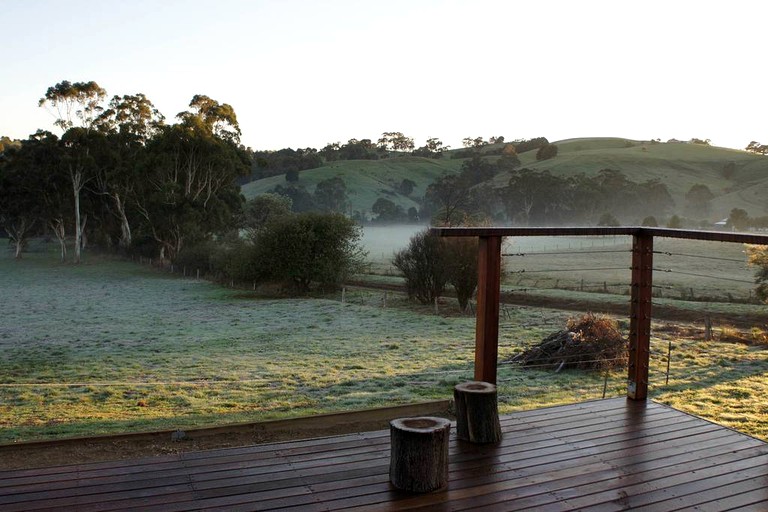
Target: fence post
<point>640,316</point>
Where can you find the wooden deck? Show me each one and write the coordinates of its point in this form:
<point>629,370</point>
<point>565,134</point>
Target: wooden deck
<point>604,455</point>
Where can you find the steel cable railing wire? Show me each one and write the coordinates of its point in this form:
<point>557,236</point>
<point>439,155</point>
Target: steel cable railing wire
<point>593,355</point>
<point>578,269</point>
<point>699,256</point>
<point>563,253</point>
<point>550,365</point>
<point>706,276</point>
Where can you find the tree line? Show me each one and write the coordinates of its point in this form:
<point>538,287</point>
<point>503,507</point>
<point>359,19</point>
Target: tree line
<point>120,176</point>
<point>290,161</point>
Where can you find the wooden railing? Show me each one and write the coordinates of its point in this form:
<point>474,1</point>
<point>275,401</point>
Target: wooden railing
<point>640,310</point>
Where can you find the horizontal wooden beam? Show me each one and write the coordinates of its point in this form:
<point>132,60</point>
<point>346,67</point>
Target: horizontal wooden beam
<point>715,236</point>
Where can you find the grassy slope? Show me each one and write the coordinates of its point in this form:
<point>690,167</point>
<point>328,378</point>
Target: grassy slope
<point>679,166</point>
<point>367,180</point>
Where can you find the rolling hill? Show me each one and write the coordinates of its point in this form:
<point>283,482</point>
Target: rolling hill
<point>737,179</point>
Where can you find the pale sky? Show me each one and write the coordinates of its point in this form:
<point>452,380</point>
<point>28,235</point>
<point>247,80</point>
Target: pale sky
<point>305,73</point>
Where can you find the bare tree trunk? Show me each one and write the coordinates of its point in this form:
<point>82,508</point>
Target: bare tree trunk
<point>57,226</point>
<point>77,185</point>
<point>19,234</point>
<point>125,227</point>
<point>84,234</point>
<point>77,178</point>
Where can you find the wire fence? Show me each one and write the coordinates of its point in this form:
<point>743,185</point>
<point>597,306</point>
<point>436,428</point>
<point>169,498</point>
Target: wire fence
<point>685,269</point>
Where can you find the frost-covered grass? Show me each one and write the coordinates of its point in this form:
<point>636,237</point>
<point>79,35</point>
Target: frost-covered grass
<point>110,346</point>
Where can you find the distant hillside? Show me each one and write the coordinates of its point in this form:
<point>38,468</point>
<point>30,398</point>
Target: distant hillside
<point>737,179</point>
<point>367,180</point>
<point>678,165</point>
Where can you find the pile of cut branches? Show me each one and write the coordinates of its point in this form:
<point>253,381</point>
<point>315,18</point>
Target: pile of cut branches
<point>591,342</point>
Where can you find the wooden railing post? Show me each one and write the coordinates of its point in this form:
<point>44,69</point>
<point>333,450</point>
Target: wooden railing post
<point>640,316</point>
<point>488,294</point>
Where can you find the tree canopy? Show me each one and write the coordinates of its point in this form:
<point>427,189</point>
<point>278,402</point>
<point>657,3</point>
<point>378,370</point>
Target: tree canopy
<point>119,173</point>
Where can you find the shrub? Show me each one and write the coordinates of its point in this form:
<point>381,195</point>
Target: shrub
<point>235,262</point>
<point>546,152</point>
<point>308,248</point>
<point>650,221</point>
<point>607,219</point>
<point>461,265</point>
<point>675,222</point>
<point>430,263</point>
<point>423,266</point>
<point>197,257</point>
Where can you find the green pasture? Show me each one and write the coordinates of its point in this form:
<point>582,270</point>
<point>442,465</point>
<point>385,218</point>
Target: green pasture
<point>368,180</point>
<point>678,166</point>
<point>111,346</point>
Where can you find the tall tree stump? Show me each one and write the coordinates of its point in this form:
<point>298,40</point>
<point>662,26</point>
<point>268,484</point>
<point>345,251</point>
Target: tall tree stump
<point>477,412</point>
<point>419,453</point>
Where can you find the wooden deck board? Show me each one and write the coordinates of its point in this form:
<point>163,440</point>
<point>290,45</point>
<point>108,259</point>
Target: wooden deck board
<point>600,456</point>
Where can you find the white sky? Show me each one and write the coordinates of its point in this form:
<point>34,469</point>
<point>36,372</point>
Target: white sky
<point>305,73</point>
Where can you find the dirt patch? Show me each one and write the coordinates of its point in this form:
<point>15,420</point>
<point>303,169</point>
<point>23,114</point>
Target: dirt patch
<point>150,444</point>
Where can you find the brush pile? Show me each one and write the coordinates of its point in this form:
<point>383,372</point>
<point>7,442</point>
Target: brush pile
<point>591,342</point>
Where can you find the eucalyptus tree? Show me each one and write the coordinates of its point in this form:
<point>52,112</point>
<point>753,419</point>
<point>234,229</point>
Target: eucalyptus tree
<point>69,102</point>
<point>19,205</point>
<point>129,123</point>
<point>451,200</point>
<point>190,171</point>
<point>331,195</point>
<point>77,107</point>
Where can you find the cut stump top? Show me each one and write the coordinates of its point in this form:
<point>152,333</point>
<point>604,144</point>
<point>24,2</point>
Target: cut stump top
<point>421,424</point>
<point>475,387</point>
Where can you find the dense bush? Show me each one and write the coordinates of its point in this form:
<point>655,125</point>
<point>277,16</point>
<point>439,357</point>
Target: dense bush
<point>461,264</point>
<point>546,152</point>
<point>234,261</point>
<point>430,263</point>
<point>197,257</point>
<point>423,266</point>
<point>310,248</point>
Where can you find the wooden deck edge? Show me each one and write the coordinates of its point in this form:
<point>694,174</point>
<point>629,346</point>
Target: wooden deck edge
<point>345,422</point>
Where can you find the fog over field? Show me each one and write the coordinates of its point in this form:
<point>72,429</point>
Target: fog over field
<point>382,242</point>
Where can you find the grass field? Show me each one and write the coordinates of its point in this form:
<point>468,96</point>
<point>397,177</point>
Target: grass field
<point>110,346</point>
<point>368,180</point>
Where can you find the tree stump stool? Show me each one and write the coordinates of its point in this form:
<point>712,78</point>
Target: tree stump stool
<point>477,412</point>
<point>419,453</point>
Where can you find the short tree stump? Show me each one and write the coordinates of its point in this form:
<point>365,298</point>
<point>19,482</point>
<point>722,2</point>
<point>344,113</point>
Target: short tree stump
<point>419,453</point>
<point>477,412</point>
